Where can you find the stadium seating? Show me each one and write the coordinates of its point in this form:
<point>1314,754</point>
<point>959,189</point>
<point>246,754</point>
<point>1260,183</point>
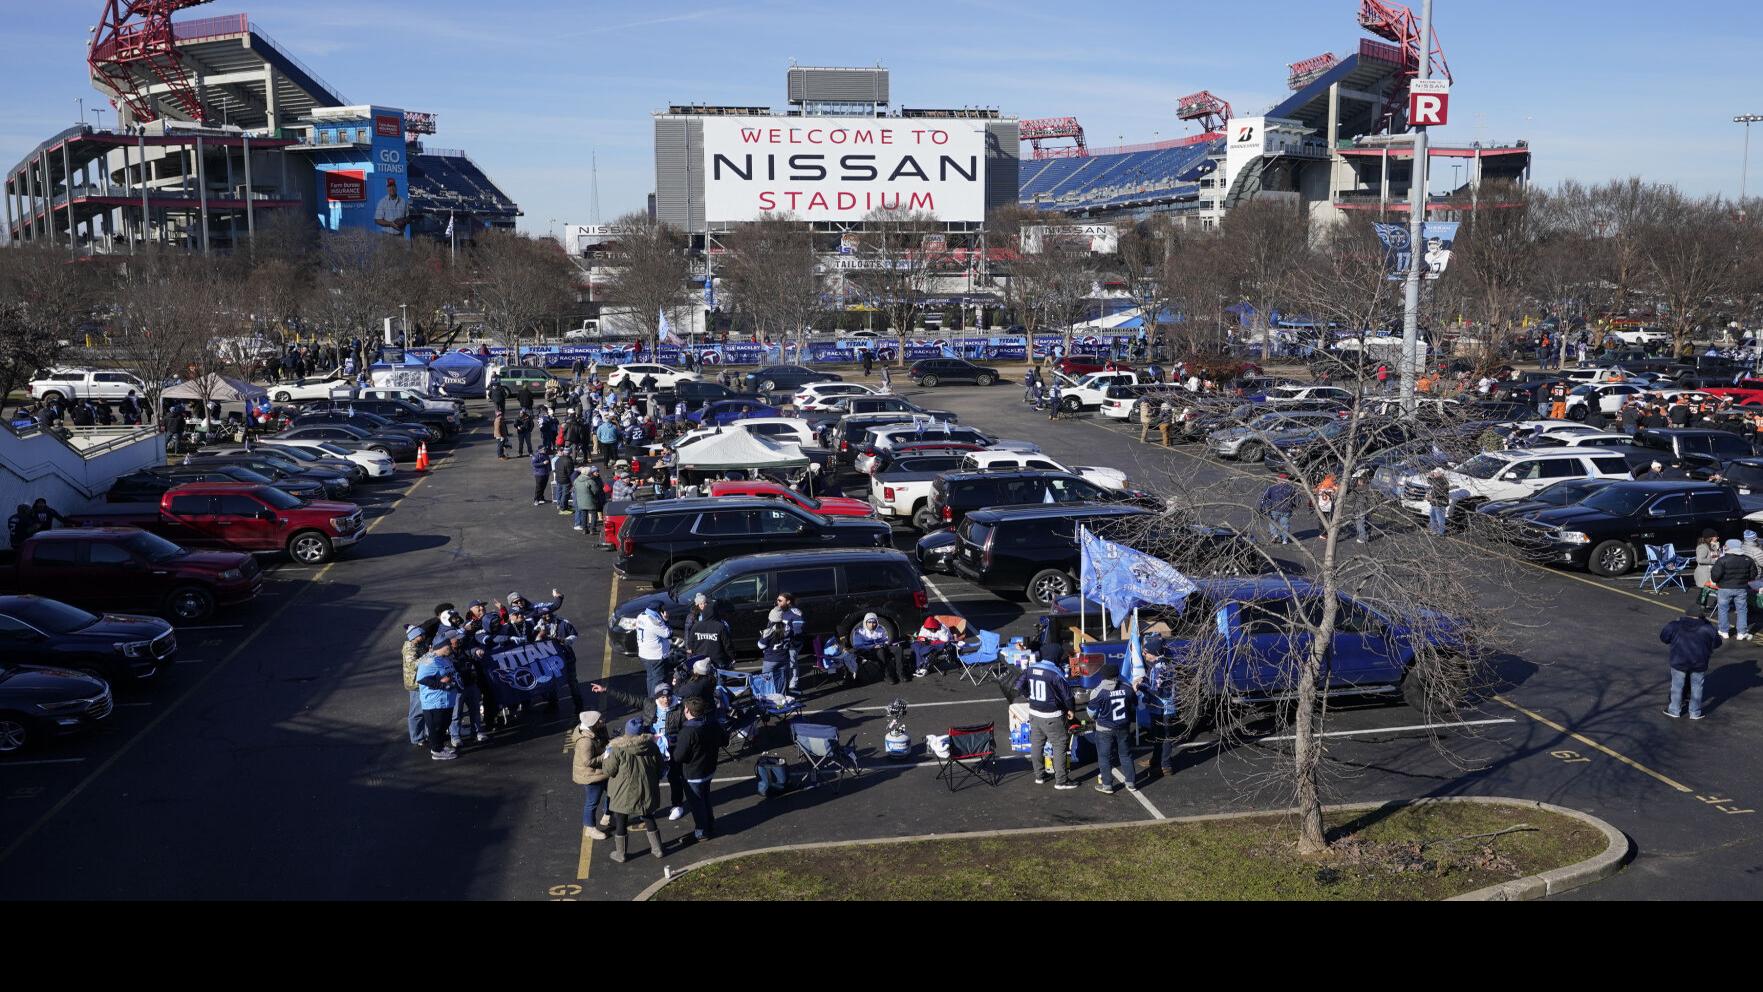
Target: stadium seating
<point>452,182</point>
<point>1070,185</point>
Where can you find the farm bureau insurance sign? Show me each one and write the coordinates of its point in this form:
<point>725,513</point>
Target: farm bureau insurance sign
<point>841,168</point>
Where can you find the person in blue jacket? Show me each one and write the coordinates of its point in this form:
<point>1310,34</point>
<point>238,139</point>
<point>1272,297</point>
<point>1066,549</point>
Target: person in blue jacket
<point>541,461</point>
<point>438,682</point>
<point>870,642</point>
<point>1693,640</point>
<point>1157,689</point>
<point>1114,706</point>
<point>1049,720</point>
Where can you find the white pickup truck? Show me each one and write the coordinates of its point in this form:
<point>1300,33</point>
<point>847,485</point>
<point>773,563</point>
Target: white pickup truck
<point>1011,461</point>
<point>1088,392</point>
<point>435,404</point>
<point>901,490</point>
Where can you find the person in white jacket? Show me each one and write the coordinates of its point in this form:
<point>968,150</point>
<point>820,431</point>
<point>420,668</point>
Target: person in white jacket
<point>654,645</point>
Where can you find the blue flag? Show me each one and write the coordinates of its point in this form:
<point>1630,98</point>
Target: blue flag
<point>1121,578</point>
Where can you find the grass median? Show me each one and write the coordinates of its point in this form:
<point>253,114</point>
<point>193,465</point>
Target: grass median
<point>1425,851</point>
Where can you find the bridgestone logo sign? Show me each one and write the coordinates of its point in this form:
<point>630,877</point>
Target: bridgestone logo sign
<point>841,169</point>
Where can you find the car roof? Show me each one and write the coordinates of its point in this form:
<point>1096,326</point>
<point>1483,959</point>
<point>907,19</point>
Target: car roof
<point>1668,485</point>
<point>1037,511</point>
<point>1026,473</point>
<point>75,533</point>
<point>775,559</point>
<point>697,504</point>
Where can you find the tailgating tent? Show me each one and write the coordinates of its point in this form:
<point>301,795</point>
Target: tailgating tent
<point>735,449</point>
<point>411,372</point>
<point>219,387</point>
<point>459,374</point>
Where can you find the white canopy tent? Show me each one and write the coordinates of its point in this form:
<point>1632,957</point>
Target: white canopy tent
<point>732,450</point>
<point>213,386</point>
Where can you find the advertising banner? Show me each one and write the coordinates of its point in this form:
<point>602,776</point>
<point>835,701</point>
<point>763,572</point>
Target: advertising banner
<point>842,168</point>
<point>345,186</point>
<point>1098,239</point>
<point>1440,237</point>
<point>528,673</point>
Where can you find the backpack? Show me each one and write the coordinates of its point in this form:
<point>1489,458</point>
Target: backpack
<point>773,775</point>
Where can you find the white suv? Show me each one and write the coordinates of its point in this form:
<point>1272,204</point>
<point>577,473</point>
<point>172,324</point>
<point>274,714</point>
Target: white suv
<point>96,384</point>
<point>665,377</point>
<point>996,460</point>
<point>1516,474</point>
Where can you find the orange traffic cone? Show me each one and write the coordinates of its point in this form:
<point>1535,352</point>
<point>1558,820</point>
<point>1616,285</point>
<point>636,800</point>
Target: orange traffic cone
<point>422,457</point>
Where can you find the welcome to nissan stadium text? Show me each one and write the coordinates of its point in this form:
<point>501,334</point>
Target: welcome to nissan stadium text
<point>851,167</point>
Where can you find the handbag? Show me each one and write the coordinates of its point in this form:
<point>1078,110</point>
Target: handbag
<point>1705,597</point>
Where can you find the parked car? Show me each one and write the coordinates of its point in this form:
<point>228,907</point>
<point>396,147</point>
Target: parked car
<point>827,506</point>
<point>38,703</point>
<point>729,411</point>
<point>123,568</point>
<point>411,431</point>
<point>275,465</point>
<point>820,395</point>
<point>1515,474</point>
<point>1317,452</point>
<point>1250,441</point>
<point>323,454</point>
<point>833,587</point>
<point>696,393</point>
<point>768,379</point>
<point>666,377</point>
<point>1011,460</point>
<point>441,424</point>
<point>1122,402</point>
<point>1564,493</point>
<point>668,541</point>
<point>240,517</point>
<point>512,377</point>
<point>148,484</point>
<point>844,406</point>
<point>110,385</point>
<point>1090,391</point>
<point>932,372</point>
<point>845,438</point>
<point>959,493</point>
<point>397,447</point>
<point>1606,532</point>
<point>878,440</point>
<point>119,648</point>
<point>433,404</point>
<point>901,488</point>
<point>1693,446</point>
<point>1080,365</point>
<point>309,388</point>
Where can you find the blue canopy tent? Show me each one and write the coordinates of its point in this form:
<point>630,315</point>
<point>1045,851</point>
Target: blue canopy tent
<point>459,375</point>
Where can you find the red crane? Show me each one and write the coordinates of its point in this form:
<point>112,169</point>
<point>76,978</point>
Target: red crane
<point>1394,22</point>
<point>1042,129</point>
<point>134,40</point>
<point>1212,112</point>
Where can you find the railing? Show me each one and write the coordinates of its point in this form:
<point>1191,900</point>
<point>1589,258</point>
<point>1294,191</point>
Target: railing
<point>303,67</point>
<point>85,441</point>
<point>1391,54</point>
<point>210,27</point>
<point>1156,146</point>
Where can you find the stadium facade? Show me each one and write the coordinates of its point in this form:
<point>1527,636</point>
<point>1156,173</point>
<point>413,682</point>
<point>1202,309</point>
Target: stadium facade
<point>218,128</point>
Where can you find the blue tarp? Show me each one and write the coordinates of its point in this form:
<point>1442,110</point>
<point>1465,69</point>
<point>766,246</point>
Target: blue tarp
<point>458,374</point>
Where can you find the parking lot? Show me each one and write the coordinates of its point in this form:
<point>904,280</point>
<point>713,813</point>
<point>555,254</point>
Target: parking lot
<point>272,762</point>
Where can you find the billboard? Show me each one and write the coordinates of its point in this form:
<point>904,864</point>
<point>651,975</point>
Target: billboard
<point>1099,239</point>
<point>1245,141</point>
<point>345,186</point>
<point>842,168</point>
<point>1440,237</point>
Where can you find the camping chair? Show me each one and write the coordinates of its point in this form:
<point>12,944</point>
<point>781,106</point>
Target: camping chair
<point>971,750</point>
<point>1664,566</point>
<point>818,743</point>
<point>982,662</point>
<point>740,721</point>
<point>770,697</point>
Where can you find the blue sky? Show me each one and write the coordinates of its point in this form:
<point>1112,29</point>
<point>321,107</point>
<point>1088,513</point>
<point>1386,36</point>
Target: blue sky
<point>533,88</point>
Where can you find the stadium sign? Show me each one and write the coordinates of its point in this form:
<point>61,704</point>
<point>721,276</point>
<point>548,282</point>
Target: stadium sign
<point>345,186</point>
<point>1429,102</point>
<point>841,169</point>
<point>1097,239</point>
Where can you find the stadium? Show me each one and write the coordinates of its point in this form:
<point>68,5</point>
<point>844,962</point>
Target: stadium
<point>219,128</point>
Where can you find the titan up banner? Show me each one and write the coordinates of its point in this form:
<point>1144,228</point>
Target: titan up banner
<point>842,168</point>
<point>1440,239</point>
<point>527,673</point>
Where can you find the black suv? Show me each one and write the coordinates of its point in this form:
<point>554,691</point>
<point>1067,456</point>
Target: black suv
<point>1693,447</point>
<point>668,541</point>
<point>935,371</point>
<point>845,438</point>
<point>957,494</point>
<point>834,588</point>
<point>440,424</point>
<point>147,485</point>
<point>1607,532</point>
<point>1034,549</point>
<point>696,393</point>
<point>118,648</point>
<point>770,378</point>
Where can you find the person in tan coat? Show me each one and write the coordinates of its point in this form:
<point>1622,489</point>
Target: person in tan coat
<point>633,765</point>
<point>587,742</point>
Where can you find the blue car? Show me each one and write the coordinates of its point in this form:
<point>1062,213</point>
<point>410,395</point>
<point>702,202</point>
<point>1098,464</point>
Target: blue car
<point>728,411</point>
<point>1255,626</point>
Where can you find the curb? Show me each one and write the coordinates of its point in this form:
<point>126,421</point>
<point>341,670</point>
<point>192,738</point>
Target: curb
<point>1553,882</point>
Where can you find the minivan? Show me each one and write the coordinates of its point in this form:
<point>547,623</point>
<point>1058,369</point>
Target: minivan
<point>670,540</point>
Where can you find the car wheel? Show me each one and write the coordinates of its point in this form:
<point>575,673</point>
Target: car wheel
<point>1251,453</point>
<point>1610,559</point>
<point>1071,404</point>
<point>985,379</point>
<point>53,397</point>
<point>384,451</point>
<point>929,380</point>
<point>1577,412</point>
<point>768,385</point>
<point>1049,586</point>
<point>188,604</point>
<point>679,572</point>
<point>309,548</point>
<point>15,733</point>
<point>923,518</point>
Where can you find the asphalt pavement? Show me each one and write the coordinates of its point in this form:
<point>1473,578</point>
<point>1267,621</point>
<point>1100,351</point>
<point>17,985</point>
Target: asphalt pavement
<point>272,762</point>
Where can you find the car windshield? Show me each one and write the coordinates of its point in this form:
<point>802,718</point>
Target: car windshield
<point>244,474</point>
<point>329,449</point>
<point>1482,467</point>
<point>1571,491</point>
<point>52,617</point>
<point>278,499</point>
<point>710,577</point>
<point>1617,500</point>
<point>153,547</point>
<point>296,453</point>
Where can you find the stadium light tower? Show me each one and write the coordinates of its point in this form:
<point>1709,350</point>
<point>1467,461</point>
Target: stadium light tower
<point>1745,170</point>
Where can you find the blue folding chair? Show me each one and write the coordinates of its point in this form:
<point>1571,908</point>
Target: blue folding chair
<point>818,743</point>
<point>1664,567</point>
<point>769,696</point>
<point>740,719</point>
<point>981,662</point>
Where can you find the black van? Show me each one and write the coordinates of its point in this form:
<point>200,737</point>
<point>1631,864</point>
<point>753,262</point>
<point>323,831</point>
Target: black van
<point>833,588</point>
<point>668,540</point>
<point>957,494</point>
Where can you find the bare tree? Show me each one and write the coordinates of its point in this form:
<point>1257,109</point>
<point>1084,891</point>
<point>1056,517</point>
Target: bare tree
<point>1055,283</point>
<point>1492,265</point>
<point>653,273</point>
<point>44,298</point>
<point>520,282</point>
<point>1263,243</point>
<point>897,268</point>
<point>1195,283</point>
<point>1693,253</point>
<point>356,285</point>
<point>163,317</point>
<point>771,266</point>
<point>1145,251</point>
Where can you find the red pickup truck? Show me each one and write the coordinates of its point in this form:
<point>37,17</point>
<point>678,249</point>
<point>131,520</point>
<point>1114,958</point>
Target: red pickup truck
<point>831,506</point>
<point>239,516</point>
<point>126,570</point>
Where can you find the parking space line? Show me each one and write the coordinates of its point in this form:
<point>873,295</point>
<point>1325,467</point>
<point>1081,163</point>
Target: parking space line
<point>216,626</point>
<point>192,661</point>
<point>41,761</point>
<point>1139,795</point>
<point>943,597</point>
<point>129,745</point>
<point>1395,730</point>
<point>1588,742</point>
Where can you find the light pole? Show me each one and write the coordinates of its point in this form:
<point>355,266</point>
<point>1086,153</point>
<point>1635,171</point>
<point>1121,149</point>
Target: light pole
<point>1745,170</point>
<point>1410,370</point>
<point>82,102</point>
<point>98,114</point>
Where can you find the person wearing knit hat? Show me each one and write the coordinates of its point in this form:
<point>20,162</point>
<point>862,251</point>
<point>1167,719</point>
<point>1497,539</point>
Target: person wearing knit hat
<point>633,766</point>
<point>588,740</point>
<point>1114,705</point>
<point>438,683</point>
<point>1731,577</point>
<point>414,647</point>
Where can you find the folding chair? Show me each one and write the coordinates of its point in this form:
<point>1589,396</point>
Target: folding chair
<point>1664,566</point>
<point>740,721</point>
<point>981,663</point>
<point>818,743</point>
<point>971,750</point>
<point>770,697</point>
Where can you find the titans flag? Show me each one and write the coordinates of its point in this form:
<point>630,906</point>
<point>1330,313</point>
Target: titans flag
<point>1122,579</point>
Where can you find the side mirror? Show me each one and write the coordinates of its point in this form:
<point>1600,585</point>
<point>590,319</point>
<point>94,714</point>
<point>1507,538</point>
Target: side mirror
<point>266,514</point>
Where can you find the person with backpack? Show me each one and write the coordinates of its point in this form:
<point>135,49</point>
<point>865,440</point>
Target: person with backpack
<point>1114,705</point>
<point>632,763</point>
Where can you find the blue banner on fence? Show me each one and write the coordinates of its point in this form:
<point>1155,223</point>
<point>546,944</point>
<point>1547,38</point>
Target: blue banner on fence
<point>841,351</point>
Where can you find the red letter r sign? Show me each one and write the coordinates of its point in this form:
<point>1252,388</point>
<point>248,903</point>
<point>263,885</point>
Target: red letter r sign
<point>1429,102</point>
